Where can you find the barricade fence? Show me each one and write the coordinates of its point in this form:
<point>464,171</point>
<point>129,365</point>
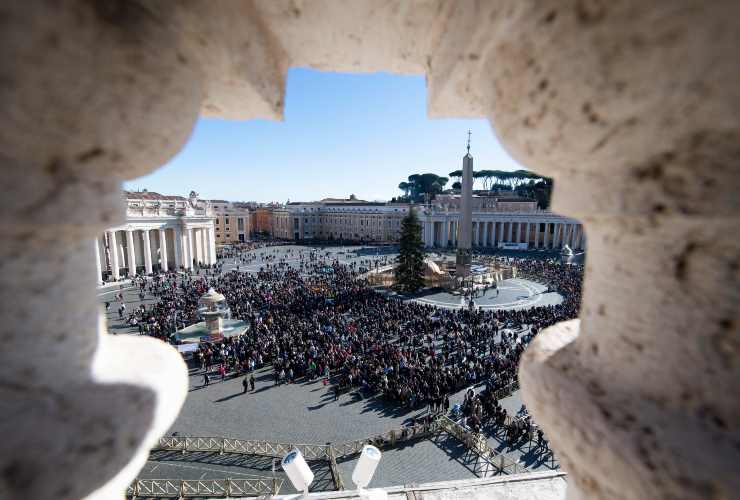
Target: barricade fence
<point>478,444</point>
<point>330,452</point>
<point>183,488</point>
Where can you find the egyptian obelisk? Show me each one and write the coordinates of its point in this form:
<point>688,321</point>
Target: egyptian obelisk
<point>464,253</point>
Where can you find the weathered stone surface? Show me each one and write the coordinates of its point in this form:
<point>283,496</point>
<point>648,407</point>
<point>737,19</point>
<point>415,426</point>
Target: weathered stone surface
<point>632,106</point>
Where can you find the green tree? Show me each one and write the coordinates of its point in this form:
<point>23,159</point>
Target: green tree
<point>423,187</point>
<point>410,260</point>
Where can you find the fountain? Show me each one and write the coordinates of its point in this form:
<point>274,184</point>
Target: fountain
<point>217,323</point>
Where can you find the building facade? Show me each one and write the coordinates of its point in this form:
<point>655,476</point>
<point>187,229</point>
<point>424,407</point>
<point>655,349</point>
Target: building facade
<point>512,223</point>
<point>261,220</point>
<point>333,219</point>
<point>161,232</point>
<point>232,221</point>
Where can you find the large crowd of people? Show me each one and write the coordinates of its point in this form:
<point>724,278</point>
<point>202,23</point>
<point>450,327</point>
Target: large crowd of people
<point>312,316</point>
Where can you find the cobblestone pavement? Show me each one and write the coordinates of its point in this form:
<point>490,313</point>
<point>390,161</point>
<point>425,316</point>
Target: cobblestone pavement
<point>301,413</point>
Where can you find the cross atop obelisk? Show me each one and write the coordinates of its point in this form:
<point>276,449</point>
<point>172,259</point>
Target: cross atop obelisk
<point>469,141</point>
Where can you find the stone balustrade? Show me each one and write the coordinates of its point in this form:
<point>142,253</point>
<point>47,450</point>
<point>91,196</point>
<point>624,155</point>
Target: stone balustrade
<point>632,107</point>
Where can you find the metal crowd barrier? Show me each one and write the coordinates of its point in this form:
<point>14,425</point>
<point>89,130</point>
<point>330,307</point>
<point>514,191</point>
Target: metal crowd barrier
<point>479,445</point>
<point>183,488</point>
<point>172,488</point>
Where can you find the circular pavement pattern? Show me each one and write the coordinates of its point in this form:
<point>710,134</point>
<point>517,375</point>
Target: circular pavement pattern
<point>515,293</point>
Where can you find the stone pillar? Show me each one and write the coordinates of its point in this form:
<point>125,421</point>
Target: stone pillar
<point>130,253</point>
<point>536,234</point>
<point>163,260</point>
<point>641,135</point>
<point>526,234</point>
<point>494,225</point>
<point>197,245</point>
<point>98,267</point>
<point>147,251</point>
<point>206,237</point>
<point>445,234</point>
<point>178,247</point>
<point>212,244</point>
<point>561,234</point>
<point>113,246</point>
<point>510,233</point>
<point>187,261</point>
<point>192,256</point>
<point>92,96</point>
<point>204,244</point>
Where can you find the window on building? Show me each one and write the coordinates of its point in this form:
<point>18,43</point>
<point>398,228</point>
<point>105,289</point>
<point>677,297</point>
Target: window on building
<point>240,223</point>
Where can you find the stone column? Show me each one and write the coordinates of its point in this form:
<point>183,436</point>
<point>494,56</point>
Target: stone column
<point>98,267</point>
<point>147,251</point>
<point>445,233</point>
<point>187,262</point>
<point>163,261</point>
<point>206,237</point>
<point>510,233</point>
<point>640,134</point>
<point>192,256</point>
<point>177,246</point>
<point>113,245</point>
<point>536,234</point>
<point>494,225</point>
<point>564,235</point>
<point>212,245</point>
<point>92,96</point>
<point>130,253</point>
<point>197,245</point>
<point>526,234</point>
<point>204,244</point>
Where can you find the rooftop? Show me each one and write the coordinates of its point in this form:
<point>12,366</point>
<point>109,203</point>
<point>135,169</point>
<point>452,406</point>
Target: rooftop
<point>151,195</point>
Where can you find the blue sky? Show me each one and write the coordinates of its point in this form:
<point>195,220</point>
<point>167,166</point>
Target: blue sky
<point>341,134</point>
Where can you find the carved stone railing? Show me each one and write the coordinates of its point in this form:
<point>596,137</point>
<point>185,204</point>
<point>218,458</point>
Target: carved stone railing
<point>632,107</point>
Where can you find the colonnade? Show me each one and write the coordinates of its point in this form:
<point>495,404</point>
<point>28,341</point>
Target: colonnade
<point>533,234</point>
<point>128,251</point>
